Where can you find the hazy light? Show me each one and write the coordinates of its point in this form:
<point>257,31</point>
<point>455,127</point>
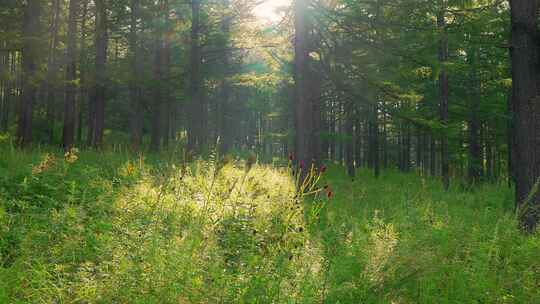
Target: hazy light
<point>269,11</point>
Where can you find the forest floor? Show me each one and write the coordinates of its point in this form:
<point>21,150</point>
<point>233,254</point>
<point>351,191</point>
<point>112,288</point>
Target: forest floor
<point>107,228</point>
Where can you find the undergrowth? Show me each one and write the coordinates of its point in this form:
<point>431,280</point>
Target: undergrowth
<point>92,227</point>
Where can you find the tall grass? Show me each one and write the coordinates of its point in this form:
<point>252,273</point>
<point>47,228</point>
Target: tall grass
<point>112,228</point>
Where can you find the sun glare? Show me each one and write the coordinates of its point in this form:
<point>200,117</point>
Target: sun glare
<point>271,10</point>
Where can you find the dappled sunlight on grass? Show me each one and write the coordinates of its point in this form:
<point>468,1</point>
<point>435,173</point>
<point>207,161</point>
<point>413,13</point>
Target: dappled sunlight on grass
<point>110,228</point>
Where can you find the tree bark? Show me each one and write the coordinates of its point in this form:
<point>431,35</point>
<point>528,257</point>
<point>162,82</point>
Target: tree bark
<point>349,144</point>
<point>443,93</point>
<point>51,86</point>
<point>226,116</point>
<point>475,161</point>
<point>157,104</point>
<point>68,134</point>
<point>196,106</point>
<point>31,34</point>
<point>135,88</point>
<point>83,91</point>
<point>304,106</point>
<point>97,100</point>
<point>526,105</point>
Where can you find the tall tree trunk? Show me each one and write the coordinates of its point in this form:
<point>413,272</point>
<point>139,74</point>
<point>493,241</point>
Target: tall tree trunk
<point>433,155</point>
<point>97,102</point>
<point>135,88</point>
<point>156,133</point>
<point>475,161</point>
<point>375,140</point>
<point>68,133</point>
<point>226,116</point>
<point>304,106</point>
<point>358,139</point>
<point>196,107</point>
<point>443,93</point>
<point>31,34</point>
<point>165,62</point>
<point>83,91</point>
<point>52,70</point>
<point>526,105</point>
<point>349,144</point>
<point>4,86</point>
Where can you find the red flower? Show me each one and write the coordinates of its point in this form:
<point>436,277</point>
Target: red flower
<point>301,164</point>
<point>330,194</point>
<point>322,169</point>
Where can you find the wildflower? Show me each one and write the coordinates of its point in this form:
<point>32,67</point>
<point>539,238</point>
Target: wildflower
<point>44,165</point>
<point>322,169</point>
<point>71,155</point>
<point>330,194</point>
<point>130,169</point>
<point>291,157</point>
<point>301,164</point>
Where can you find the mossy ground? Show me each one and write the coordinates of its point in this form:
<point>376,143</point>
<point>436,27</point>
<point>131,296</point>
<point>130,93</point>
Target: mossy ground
<point>111,228</point>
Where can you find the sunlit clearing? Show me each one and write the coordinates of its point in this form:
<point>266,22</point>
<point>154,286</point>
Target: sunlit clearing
<point>271,10</point>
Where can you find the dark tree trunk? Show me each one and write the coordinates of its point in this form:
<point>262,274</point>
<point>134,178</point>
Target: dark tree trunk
<point>135,88</point>
<point>196,106</point>
<point>167,98</point>
<point>51,85</point>
<point>358,139</point>
<point>443,94</point>
<point>526,105</point>
<point>157,103</point>
<point>31,34</point>
<point>6,91</point>
<point>83,92</point>
<point>349,144</point>
<point>97,102</point>
<point>375,140</point>
<point>433,156</point>
<point>226,119</point>
<point>475,157</point>
<point>304,106</point>
<point>68,134</point>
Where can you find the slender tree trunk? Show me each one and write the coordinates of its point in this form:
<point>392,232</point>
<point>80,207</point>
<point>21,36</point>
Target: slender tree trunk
<point>475,161</point>
<point>196,106</point>
<point>304,106</point>
<point>226,115</point>
<point>165,57</point>
<point>83,98</point>
<point>433,156</point>
<point>4,86</point>
<point>349,144</point>
<point>156,133</point>
<point>52,71</point>
<point>31,33</point>
<point>375,140</point>
<point>135,89</point>
<point>358,138</point>
<point>68,134</point>
<point>443,93</point>
<point>97,103</point>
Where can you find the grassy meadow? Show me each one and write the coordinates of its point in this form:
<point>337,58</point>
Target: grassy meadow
<point>106,227</point>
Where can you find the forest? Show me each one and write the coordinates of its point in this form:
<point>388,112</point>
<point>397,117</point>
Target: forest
<point>269,151</point>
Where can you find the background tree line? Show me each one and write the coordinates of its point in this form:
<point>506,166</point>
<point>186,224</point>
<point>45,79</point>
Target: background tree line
<point>446,88</point>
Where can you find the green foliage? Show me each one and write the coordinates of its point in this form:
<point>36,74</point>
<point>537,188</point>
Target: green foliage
<point>110,228</point>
